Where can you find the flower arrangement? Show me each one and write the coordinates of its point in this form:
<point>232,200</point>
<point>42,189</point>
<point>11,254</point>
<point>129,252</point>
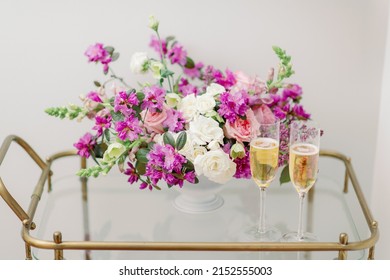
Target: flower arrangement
<point>191,121</point>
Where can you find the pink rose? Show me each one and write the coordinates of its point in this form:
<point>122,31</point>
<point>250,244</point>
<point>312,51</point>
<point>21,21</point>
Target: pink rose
<point>154,121</point>
<point>264,114</point>
<point>242,130</point>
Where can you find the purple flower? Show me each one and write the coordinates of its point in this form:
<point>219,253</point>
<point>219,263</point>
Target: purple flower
<point>145,185</point>
<point>123,102</point>
<point>190,177</point>
<point>94,96</point>
<point>154,98</point>
<point>128,129</point>
<point>226,81</point>
<point>177,55</point>
<point>279,113</point>
<point>102,123</point>
<point>293,91</point>
<point>300,112</point>
<point>155,44</point>
<point>132,173</point>
<point>195,71</point>
<point>85,145</point>
<point>233,105</point>
<point>174,121</point>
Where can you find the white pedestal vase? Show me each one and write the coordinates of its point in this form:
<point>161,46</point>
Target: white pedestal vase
<point>199,198</point>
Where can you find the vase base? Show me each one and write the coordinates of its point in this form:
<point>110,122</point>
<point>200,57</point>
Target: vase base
<point>189,205</point>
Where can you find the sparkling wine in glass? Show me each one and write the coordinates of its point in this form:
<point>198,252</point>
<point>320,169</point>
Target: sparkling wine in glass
<point>303,168</point>
<point>264,153</point>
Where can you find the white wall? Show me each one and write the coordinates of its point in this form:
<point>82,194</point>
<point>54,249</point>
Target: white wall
<point>337,48</point>
<point>381,190</point>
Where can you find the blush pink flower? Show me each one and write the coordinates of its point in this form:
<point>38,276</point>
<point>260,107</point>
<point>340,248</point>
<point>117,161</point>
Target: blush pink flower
<point>264,114</point>
<point>242,129</point>
<point>153,120</point>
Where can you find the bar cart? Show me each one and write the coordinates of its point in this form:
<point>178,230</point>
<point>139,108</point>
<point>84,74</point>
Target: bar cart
<point>105,218</point>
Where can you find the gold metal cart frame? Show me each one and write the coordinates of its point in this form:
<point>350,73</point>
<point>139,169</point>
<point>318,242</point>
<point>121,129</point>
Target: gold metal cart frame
<point>59,245</point>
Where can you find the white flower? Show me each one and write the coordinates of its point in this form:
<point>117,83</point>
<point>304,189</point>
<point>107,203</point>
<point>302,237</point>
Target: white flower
<point>172,99</point>
<point>215,89</point>
<point>113,152</point>
<point>205,103</point>
<point>205,130</point>
<point>237,151</point>
<point>216,166</point>
<point>155,67</point>
<point>139,63</point>
<point>153,23</point>
<point>188,107</point>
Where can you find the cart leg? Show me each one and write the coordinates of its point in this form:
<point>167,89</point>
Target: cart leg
<point>346,178</point>
<point>84,191</point>
<point>28,252</point>
<point>344,241</point>
<point>58,253</point>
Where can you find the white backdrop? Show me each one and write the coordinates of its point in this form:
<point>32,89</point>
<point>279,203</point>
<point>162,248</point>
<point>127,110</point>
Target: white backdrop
<point>337,48</point>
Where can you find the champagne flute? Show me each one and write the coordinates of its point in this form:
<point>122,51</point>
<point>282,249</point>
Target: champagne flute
<point>264,153</point>
<point>303,168</point>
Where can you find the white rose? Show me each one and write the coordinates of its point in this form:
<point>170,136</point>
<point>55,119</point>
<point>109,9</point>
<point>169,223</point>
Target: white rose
<point>205,103</point>
<point>216,166</point>
<point>215,89</point>
<point>172,99</point>
<point>113,152</point>
<point>155,67</point>
<point>139,63</point>
<point>188,107</point>
<point>205,130</point>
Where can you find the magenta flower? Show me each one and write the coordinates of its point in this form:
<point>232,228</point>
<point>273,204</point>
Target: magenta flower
<point>102,123</point>
<point>166,164</point>
<point>128,129</point>
<point>175,121</point>
<point>293,91</point>
<point>154,98</point>
<point>124,102</point>
<point>226,81</point>
<point>300,112</point>
<point>243,169</point>
<point>186,88</point>
<point>85,145</point>
<point>132,173</point>
<point>233,105</point>
<point>97,53</point>
<point>194,72</point>
<point>94,96</point>
<point>155,44</point>
<point>177,55</point>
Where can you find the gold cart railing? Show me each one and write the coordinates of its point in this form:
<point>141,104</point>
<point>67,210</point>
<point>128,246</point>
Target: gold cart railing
<point>59,245</point>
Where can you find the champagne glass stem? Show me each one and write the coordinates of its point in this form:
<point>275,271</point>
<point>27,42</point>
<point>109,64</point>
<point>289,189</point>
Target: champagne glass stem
<point>262,210</point>
<point>300,222</point>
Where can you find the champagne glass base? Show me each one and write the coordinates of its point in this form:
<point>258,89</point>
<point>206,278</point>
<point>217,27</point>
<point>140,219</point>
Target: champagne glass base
<point>293,237</point>
<point>252,234</point>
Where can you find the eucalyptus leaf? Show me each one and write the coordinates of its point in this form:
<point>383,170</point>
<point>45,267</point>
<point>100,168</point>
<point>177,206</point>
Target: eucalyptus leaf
<point>141,155</point>
<point>168,139</point>
<point>181,140</point>
<point>114,56</point>
<point>109,49</point>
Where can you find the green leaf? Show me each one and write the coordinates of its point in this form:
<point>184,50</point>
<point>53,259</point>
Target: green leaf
<point>107,135</point>
<point>189,166</point>
<point>140,96</point>
<point>190,63</point>
<point>169,38</point>
<point>285,175</point>
<point>181,140</point>
<point>97,83</point>
<point>109,49</point>
<point>140,167</point>
<point>168,139</point>
<point>99,150</point>
<point>114,56</point>
<point>141,155</point>
<point>117,116</point>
